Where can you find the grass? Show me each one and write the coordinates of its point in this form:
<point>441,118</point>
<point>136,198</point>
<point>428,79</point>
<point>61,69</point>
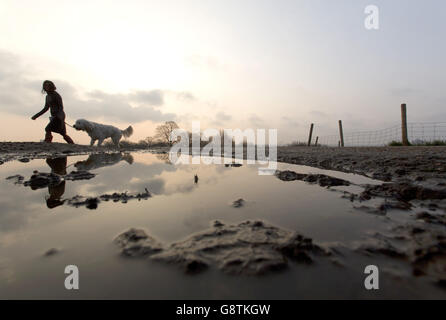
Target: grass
<point>297,144</point>
<point>420,143</point>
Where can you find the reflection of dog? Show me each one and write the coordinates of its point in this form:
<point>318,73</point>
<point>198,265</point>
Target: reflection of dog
<point>96,161</point>
<point>100,132</point>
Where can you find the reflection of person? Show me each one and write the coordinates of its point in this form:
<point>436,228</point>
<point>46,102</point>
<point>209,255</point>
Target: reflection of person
<point>57,120</point>
<point>59,166</point>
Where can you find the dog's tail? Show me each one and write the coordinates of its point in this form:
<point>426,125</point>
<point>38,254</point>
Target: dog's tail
<point>127,132</point>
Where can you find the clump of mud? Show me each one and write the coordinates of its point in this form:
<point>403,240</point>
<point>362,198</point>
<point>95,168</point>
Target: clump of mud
<point>421,243</point>
<point>135,242</point>
<point>321,179</point>
<point>249,248</point>
<point>40,180</point>
<point>51,252</point>
<point>403,192</point>
<point>17,179</point>
<point>233,165</point>
<point>93,202</point>
<point>384,207</point>
<point>430,218</point>
<point>79,175</point>
<point>238,203</point>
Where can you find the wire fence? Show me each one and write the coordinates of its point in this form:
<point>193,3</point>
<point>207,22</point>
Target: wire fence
<point>418,133</point>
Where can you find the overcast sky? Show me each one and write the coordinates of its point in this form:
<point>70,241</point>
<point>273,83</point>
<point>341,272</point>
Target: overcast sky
<point>230,64</point>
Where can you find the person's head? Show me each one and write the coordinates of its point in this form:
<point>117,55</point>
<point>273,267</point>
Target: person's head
<point>48,86</point>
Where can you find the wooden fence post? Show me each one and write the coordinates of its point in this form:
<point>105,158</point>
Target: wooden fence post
<point>311,134</point>
<point>404,138</point>
<point>341,134</point>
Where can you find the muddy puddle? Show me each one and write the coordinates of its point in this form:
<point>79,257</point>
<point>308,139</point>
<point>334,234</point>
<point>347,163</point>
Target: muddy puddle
<point>137,226</point>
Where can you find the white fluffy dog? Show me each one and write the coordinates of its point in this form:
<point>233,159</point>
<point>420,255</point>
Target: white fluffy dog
<point>100,132</point>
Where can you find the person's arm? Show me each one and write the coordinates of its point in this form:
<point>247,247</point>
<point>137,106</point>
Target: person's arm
<point>45,109</point>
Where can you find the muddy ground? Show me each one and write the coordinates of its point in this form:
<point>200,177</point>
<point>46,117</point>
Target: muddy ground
<point>381,163</point>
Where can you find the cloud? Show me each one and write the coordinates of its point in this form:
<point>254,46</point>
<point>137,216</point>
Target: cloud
<point>201,61</point>
<point>221,118</point>
<point>185,96</point>
<point>132,107</point>
<point>256,121</point>
<point>404,91</point>
<point>290,122</point>
<point>20,94</point>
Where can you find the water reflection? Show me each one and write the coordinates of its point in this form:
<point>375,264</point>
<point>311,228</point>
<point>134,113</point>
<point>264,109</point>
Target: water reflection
<point>58,166</point>
<point>179,208</point>
<point>96,161</point>
<point>163,157</point>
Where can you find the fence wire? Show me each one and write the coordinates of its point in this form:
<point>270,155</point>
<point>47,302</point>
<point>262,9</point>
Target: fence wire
<point>418,132</point>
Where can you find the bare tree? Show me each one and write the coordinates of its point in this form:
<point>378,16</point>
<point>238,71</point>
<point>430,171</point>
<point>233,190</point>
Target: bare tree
<point>163,131</point>
<point>149,141</point>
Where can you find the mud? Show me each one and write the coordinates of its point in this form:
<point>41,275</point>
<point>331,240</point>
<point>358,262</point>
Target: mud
<point>382,163</point>
<point>421,244</point>
<point>51,252</point>
<point>42,180</point>
<point>321,179</point>
<point>47,179</point>
<point>403,192</point>
<point>249,248</point>
<point>93,202</point>
<point>238,203</point>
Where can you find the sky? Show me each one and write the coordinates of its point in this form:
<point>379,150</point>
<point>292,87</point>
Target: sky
<point>279,64</point>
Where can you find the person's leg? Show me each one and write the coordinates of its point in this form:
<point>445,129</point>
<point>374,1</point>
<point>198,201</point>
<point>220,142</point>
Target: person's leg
<point>68,139</point>
<point>60,128</point>
<point>48,135</point>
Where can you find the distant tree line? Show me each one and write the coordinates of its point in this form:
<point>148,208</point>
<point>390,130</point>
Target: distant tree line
<point>162,138</point>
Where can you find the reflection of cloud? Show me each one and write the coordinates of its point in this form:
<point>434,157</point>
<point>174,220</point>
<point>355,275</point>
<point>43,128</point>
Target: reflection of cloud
<point>20,206</point>
<point>16,214</point>
<point>19,95</point>
<point>18,203</point>
<point>109,179</point>
<point>7,273</point>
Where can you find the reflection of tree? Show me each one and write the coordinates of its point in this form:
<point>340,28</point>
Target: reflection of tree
<point>163,157</point>
<point>58,166</point>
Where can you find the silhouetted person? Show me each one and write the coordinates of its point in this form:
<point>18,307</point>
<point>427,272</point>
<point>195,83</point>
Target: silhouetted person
<point>59,166</point>
<point>57,120</point>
